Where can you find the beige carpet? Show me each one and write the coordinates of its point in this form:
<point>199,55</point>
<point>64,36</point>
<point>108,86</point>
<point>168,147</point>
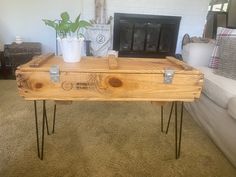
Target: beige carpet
<point>102,139</point>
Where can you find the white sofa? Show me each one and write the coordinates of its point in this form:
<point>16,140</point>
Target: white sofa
<point>215,111</point>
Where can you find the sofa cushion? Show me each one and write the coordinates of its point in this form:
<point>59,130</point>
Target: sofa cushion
<point>218,88</point>
<point>221,33</point>
<point>232,107</point>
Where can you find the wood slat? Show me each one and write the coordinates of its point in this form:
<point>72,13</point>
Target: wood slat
<point>180,63</point>
<point>107,86</point>
<point>39,60</point>
<point>100,64</point>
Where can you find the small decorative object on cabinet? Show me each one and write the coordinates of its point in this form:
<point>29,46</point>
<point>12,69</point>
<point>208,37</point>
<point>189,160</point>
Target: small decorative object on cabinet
<point>70,38</point>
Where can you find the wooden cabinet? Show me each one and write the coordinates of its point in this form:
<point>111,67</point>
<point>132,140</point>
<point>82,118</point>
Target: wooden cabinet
<point>232,14</point>
<point>215,20</point>
<point>17,54</point>
<point>2,65</point>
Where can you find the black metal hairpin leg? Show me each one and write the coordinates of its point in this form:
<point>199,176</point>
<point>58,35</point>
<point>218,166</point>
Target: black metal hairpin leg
<point>54,118</point>
<point>36,123</point>
<point>45,116</point>
<point>44,120</point>
<point>176,131</point>
<point>171,110</point>
<point>180,128</point>
<point>178,134</point>
<point>162,119</point>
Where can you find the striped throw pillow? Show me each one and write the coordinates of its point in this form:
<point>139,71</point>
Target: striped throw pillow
<point>227,58</point>
<point>221,32</point>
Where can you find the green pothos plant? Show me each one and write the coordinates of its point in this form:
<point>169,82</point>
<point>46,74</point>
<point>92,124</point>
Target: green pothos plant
<point>67,28</point>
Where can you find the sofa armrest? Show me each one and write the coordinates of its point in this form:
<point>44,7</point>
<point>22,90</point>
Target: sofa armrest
<point>231,107</point>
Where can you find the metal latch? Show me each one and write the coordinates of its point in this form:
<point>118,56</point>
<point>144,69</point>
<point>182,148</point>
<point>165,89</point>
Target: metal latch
<point>55,73</point>
<point>168,76</point>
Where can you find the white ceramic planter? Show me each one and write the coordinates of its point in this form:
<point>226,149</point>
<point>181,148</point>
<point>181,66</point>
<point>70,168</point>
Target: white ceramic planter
<point>71,49</point>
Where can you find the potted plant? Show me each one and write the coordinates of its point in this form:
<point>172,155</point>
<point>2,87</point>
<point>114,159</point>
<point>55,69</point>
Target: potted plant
<point>69,37</point>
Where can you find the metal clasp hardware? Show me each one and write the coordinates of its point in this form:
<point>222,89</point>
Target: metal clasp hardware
<point>55,73</point>
<point>168,76</point>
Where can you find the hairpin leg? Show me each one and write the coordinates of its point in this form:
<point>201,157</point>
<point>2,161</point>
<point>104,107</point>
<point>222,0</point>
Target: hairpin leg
<point>176,130</point>
<point>54,118</point>
<point>36,123</point>
<point>45,115</point>
<point>170,115</point>
<point>44,121</point>
<point>162,119</point>
<point>178,133</point>
<point>180,129</point>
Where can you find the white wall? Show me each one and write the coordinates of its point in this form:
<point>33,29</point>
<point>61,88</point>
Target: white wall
<point>193,12</point>
<point>24,18</point>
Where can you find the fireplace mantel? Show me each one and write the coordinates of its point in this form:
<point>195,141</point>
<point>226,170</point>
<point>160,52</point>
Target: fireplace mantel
<point>137,35</point>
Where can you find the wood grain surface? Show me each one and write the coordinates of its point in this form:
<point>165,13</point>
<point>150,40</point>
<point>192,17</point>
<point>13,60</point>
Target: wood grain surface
<point>101,64</point>
<point>39,60</point>
<point>92,79</point>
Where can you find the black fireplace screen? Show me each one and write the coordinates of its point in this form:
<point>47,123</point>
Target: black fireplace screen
<point>145,35</point>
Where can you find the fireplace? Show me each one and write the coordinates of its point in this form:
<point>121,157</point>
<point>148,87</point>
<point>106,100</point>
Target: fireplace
<point>138,35</point>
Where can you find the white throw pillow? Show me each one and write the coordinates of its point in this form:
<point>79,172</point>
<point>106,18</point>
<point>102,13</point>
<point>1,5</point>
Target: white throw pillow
<point>197,54</point>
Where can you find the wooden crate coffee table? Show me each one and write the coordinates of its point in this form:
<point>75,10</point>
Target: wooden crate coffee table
<point>109,79</point>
